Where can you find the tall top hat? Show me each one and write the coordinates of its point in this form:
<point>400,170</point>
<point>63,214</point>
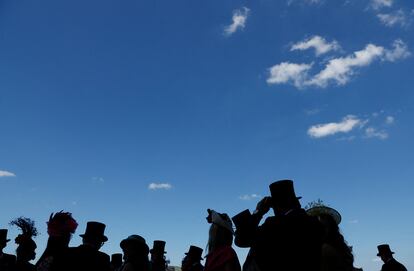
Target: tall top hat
<point>283,192</point>
<point>158,247</point>
<point>95,230</point>
<point>3,236</point>
<point>384,249</point>
<point>195,252</point>
<point>240,219</point>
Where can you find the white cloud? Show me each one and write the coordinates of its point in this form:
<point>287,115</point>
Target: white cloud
<point>378,4</point>
<point>249,197</point>
<point>345,126</point>
<point>239,21</point>
<point>341,69</point>
<point>399,51</point>
<point>395,18</point>
<point>4,173</point>
<point>371,132</point>
<point>320,45</point>
<point>389,120</point>
<point>158,186</point>
<point>337,70</point>
<point>289,72</point>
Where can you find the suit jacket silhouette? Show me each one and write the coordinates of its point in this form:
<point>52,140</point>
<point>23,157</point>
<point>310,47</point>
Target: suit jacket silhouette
<point>7,262</point>
<point>288,242</point>
<point>82,258</point>
<point>393,265</point>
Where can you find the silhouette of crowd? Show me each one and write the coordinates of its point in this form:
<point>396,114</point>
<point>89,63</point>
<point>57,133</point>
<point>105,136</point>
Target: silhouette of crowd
<point>293,239</point>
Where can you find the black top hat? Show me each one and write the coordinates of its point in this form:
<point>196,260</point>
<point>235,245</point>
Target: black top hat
<point>283,192</point>
<point>3,236</point>
<point>195,252</point>
<point>95,230</point>
<point>241,218</point>
<point>384,249</point>
<point>158,247</point>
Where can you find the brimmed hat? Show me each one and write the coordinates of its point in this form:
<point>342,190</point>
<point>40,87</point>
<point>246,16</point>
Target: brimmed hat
<point>222,220</point>
<point>158,247</point>
<point>241,218</point>
<point>283,192</point>
<point>3,236</point>
<point>136,241</point>
<point>384,249</point>
<point>95,230</point>
<point>319,210</point>
<point>195,252</point>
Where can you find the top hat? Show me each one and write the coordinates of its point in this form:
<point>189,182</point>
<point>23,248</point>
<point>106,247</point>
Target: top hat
<point>95,230</point>
<point>195,252</point>
<point>3,236</point>
<point>136,241</point>
<point>384,249</point>
<point>320,210</point>
<point>283,192</point>
<point>116,258</point>
<point>158,247</point>
<point>240,219</point>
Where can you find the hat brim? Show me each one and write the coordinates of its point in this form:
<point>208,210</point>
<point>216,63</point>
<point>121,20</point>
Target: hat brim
<point>379,254</point>
<point>200,258</point>
<point>319,210</point>
<point>103,238</point>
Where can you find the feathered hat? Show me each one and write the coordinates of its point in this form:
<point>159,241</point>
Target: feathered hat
<point>61,224</point>
<point>27,226</point>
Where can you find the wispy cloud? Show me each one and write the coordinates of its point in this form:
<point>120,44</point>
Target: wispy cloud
<point>372,132</point>
<point>4,173</point>
<point>327,129</point>
<point>354,221</point>
<point>399,51</point>
<point>98,179</point>
<point>239,20</point>
<point>159,186</point>
<point>337,70</point>
<point>378,4</point>
<point>395,18</point>
<point>249,197</point>
<point>389,120</point>
<point>309,2</point>
<point>286,72</point>
<point>318,43</point>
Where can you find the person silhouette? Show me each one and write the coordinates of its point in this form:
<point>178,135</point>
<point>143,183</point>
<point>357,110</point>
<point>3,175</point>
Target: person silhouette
<point>7,261</point>
<point>60,228</point>
<point>135,254</point>
<point>87,256</point>
<point>220,254</point>
<point>26,250</point>
<point>390,264</point>
<point>116,261</point>
<point>158,262</point>
<point>336,254</point>
<point>289,240</point>
<point>192,259</point>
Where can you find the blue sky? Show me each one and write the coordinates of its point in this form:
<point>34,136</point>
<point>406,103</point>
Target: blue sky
<point>209,101</point>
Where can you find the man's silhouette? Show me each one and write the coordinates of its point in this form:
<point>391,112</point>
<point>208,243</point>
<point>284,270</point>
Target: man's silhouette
<point>87,256</point>
<point>192,260</point>
<point>289,241</point>
<point>7,261</point>
<point>390,264</point>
